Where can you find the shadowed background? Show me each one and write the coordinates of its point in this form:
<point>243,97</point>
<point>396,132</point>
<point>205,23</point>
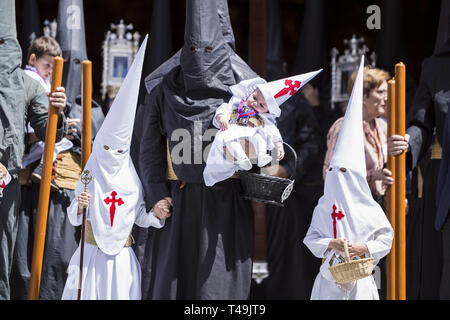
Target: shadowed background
<point>342,19</point>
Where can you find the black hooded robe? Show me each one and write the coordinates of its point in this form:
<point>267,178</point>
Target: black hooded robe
<point>426,121</point>
<point>205,249</point>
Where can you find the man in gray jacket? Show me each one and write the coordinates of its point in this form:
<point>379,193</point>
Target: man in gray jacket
<point>22,100</point>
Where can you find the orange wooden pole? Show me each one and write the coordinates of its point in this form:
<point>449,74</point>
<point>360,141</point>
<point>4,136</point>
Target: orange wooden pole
<point>86,147</point>
<point>86,101</point>
<point>400,193</point>
<point>44,192</point>
<point>390,194</point>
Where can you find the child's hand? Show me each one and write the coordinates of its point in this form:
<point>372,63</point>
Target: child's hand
<point>223,122</point>
<point>58,98</point>
<point>280,150</point>
<point>338,244</point>
<point>83,201</point>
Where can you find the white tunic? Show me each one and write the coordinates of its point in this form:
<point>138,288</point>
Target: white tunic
<point>107,277</point>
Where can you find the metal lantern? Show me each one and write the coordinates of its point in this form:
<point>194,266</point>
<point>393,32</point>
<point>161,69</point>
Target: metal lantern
<point>344,65</point>
<point>119,49</point>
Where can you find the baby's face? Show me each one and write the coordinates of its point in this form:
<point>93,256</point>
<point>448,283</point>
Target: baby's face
<point>256,101</point>
<point>44,65</point>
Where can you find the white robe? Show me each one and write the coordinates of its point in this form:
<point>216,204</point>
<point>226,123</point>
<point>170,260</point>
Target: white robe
<point>327,289</point>
<point>107,277</point>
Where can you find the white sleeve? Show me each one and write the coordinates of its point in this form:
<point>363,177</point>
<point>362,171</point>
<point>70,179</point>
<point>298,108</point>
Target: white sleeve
<point>274,133</point>
<point>271,130</point>
<point>72,212</point>
<point>146,219</point>
<point>316,243</point>
<point>381,244</point>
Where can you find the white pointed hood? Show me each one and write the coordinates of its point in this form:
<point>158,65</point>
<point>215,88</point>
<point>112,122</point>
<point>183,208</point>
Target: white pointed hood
<point>349,150</point>
<point>347,208</point>
<point>278,91</point>
<point>115,185</point>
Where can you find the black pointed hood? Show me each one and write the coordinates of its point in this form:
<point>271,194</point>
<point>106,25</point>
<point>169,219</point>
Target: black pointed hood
<point>71,37</point>
<point>241,70</point>
<point>160,41</point>
<point>188,94</point>
<point>204,59</point>
<point>225,23</point>
<point>158,63</point>
<point>389,44</point>
<point>159,48</point>
<point>275,65</point>
<point>31,24</point>
<point>443,33</point>
<point>311,53</point>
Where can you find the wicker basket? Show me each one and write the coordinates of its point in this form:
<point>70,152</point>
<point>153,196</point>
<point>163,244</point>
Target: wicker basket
<point>265,188</point>
<point>351,270</point>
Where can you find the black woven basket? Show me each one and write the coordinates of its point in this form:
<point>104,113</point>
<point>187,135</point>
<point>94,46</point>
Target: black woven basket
<point>265,188</point>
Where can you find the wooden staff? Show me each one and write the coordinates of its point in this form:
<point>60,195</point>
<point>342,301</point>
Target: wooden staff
<point>44,191</point>
<point>86,147</point>
<point>400,178</point>
<point>86,101</point>
<point>390,194</point>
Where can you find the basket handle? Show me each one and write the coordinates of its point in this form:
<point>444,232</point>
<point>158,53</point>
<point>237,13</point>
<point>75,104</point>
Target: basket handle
<point>347,255</point>
<point>295,157</point>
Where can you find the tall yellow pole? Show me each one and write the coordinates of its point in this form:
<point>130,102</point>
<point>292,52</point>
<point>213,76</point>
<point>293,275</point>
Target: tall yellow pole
<point>390,194</point>
<point>44,192</point>
<point>400,167</point>
<point>86,147</point>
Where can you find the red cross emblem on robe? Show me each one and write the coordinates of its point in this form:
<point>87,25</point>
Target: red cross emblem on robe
<point>336,215</point>
<point>113,201</point>
<point>291,88</point>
